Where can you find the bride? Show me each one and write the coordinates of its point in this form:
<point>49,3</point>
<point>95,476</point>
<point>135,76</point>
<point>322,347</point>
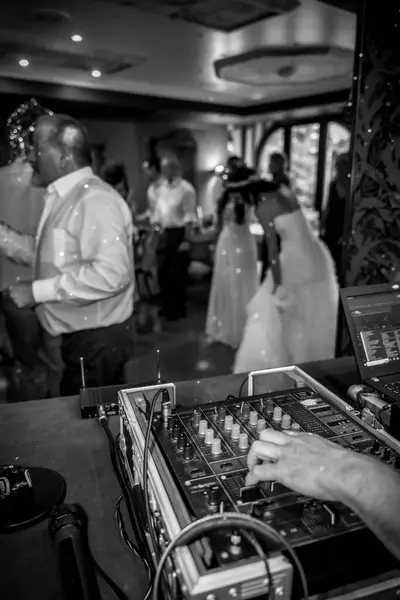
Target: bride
<point>235,278</point>
<point>292,318</point>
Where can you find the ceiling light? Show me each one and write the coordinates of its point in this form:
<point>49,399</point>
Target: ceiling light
<point>23,62</point>
<point>96,73</point>
<point>76,38</point>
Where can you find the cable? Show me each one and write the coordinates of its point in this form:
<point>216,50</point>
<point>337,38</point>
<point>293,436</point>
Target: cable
<point>263,555</point>
<point>225,521</point>
<point>117,590</point>
<point>242,386</point>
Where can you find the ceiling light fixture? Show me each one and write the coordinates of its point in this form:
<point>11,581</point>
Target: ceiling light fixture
<point>76,38</point>
<point>96,73</point>
<point>23,62</point>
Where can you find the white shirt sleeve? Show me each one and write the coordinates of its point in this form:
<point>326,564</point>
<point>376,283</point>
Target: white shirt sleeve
<point>106,267</point>
<point>19,247</point>
<point>189,205</point>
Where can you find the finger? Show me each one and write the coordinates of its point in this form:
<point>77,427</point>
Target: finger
<point>264,472</point>
<point>263,451</point>
<point>274,437</point>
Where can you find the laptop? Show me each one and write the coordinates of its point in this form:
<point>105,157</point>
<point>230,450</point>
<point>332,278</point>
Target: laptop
<point>373,316</point>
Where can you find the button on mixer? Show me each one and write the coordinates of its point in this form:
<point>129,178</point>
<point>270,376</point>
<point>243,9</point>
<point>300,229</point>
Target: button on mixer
<point>235,431</point>
<point>209,437</point>
<point>221,414</point>
<point>171,423</point>
<point>203,426</point>
<point>243,441</point>
<point>213,494</point>
<point>216,447</point>
<point>182,441</point>
<point>176,432</point>
<point>253,418</point>
<point>376,447</point>
<point>261,425</point>
<point>286,421</point>
<point>277,415</point>
<point>228,422</point>
<point>196,418</point>
<point>188,452</point>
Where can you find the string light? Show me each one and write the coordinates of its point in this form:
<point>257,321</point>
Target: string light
<point>20,124</point>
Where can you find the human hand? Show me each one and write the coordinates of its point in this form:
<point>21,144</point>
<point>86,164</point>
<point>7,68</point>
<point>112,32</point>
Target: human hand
<point>305,463</point>
<point>22,294</point>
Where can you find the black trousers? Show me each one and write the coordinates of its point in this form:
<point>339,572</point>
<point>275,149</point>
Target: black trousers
<point>172,272</point>
<point>105,352</point>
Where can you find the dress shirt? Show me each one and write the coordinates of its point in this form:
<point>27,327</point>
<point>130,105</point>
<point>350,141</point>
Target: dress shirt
<point>175,204</point>
<point>82,255</point>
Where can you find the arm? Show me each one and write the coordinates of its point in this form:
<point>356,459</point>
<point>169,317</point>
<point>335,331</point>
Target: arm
<point>106,266</point>
<point>316,467</point>
<point>18,247</point>
<point>189,208</point>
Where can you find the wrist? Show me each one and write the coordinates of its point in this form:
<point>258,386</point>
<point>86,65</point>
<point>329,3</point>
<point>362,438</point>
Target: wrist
<point>347,480</point>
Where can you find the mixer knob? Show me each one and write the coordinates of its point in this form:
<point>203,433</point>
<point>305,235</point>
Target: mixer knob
<point>196,418</point>
<point>228,423</point>
<point>277,414</point>
<point>235,431</point>
<point>253,418</point>
<point>188,452</point>
<point>376,448</point>
<point>243,441</point>
<point>295,427</point>
<point>209,437</point>
<point>176,432</point>
<point>203,426</point>
<point>386,455</point>
<point>171,423</point>
<point>182,441</point>
<point>261,425</point>
<point>246,411</point>
<point>269,407</point>
<point>213,494</point>
<point>216,447</point>
<point>286,421</point>
<point>221,414</point>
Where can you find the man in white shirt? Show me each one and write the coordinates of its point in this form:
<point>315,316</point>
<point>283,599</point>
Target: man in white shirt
<point>174,211</point>
<point>82,257</point>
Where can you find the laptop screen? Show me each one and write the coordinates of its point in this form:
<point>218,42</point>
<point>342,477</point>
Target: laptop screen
<point>374,322</point>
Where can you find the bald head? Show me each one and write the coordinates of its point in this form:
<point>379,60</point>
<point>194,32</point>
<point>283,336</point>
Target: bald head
<point>60,146</point>
<point>170,168</point>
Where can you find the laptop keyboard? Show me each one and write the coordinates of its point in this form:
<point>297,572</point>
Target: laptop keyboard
<point>393,387</point>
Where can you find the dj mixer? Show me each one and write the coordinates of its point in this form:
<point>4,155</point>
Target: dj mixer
<point>198,467</point>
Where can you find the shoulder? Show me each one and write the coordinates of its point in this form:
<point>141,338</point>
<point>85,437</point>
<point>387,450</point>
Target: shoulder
<point>102,200</point>
<point>187,187</point>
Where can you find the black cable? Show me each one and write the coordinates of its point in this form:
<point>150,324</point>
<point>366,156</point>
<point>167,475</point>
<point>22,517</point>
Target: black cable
<point>115,588</point>
<point>200,528</point>
<point>242,386</point>
<point>146,468</point>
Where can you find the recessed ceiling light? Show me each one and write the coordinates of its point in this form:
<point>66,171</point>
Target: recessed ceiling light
<point>96,73</point>
<point>76,38</point>
<point>211,99</point>
<point>257,96</point>
<point>23,62</point>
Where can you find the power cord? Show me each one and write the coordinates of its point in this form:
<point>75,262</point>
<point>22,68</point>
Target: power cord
<point>242,386</point>
<point>228,521</point>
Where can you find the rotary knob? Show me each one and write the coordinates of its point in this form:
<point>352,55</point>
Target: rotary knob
<point>386,455</point>
<point>261,425</point>
<point>295,427</point>
<point>196,418</point>
<point>376,447</point>
<point>269,407</point>
<point>176,432</point>
<point>243,441</point>
<point>253,418</point>
<point>188,452</point>
<point>277,415</point>
<point>182,441</point>
<point>235,431</point>
<point>216,447</point>
<point>213,494</point>
<point>203,426</point>
<point>209,437</point>
<point>171,423</point>
<point>221,414</point>
<point>286,421</point>
<point>246,411</point>
<point>228,423</point>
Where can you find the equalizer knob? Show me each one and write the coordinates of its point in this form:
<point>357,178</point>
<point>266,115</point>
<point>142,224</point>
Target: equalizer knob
<point>295,427</point>
<point>243,441</point>
<point>209,437</point>
<point>376,447</point>
<point>246,411</point>
<point>171,423</point>
<point>269,407</point>
<point>286,421</point>
<point>261,425</point>
<point>228,423</point>
<point>182,441</point>
<point>277,415</point>
<point>203,426</point>
<point>196,418</point>
<point>235,431</point>
<point>188,452</point>
<point>221,414</point>
<point>253,418</point>
<point>176,432</point>
<point>386,455</point>
<point>216,447</point>
<point>213,494</point>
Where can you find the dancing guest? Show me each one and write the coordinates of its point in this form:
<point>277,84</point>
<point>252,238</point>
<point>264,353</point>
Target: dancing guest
<point>277,168</point>
<point>235,279</point>
<point>292,318</point>
<point>174,212</point>
<point>82,255</point>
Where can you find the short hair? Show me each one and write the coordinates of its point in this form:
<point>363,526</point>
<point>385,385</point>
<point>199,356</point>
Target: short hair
<point>233,160</point>
<point>114,174</point>
<point>153,163</point>
<point>279,157</point>
<point>72,137</point>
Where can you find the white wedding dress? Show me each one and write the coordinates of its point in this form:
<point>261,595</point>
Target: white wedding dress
<point>297,323</point>
<point>234,281</point>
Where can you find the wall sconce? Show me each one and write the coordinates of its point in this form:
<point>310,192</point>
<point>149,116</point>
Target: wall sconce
<point>219,170</point>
